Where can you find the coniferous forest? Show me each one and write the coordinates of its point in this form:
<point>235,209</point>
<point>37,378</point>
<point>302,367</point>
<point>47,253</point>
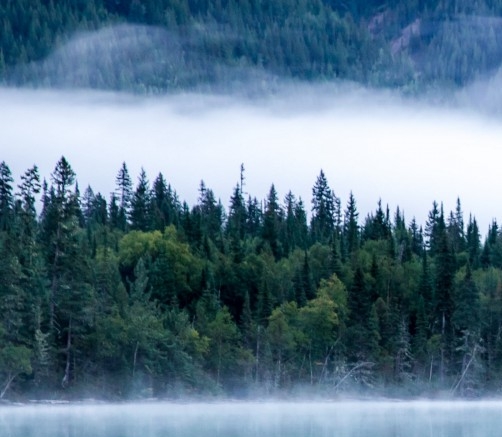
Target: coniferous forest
<point>192,44</point>
<point>139,294</point>
<point>142,295</point>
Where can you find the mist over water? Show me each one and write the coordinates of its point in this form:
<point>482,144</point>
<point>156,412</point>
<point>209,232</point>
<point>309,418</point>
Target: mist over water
<point>376,144</point>
<point>340,419</point>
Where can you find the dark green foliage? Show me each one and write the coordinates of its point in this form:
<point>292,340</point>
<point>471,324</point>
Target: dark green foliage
<point>473,242</point>
<point>322,224</point>
<point>123,197</point>
<point>196,44</point>
<point>139,214</point>
<point>362,321</point>
<point>6,197</point>
<point>193,300</point>
<point>272,222</point>
<point>466,315</point>
<point>351,227</point>
<point>165,208</point>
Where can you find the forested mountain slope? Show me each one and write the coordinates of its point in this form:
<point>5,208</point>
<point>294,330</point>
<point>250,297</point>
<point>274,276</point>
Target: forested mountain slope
<point>188,44</point>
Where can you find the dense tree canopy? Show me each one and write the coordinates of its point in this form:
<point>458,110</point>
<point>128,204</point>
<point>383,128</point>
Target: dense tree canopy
<point>143,295</point>
<point>191,44</point>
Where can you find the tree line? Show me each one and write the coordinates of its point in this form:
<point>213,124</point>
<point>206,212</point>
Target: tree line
<point>142,295</point>
<point>410,45</point>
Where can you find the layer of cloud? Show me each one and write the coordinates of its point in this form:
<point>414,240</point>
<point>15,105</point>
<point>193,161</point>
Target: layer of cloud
<point>373,144</point>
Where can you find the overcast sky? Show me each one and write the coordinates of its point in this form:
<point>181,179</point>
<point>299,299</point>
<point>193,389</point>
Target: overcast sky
<point>372,144</point>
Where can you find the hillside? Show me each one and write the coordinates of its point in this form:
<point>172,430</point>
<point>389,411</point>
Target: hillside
<point>193,44</point>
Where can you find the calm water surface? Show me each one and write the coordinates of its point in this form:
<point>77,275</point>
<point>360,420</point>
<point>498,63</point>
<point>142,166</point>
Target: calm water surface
<point>253,419</point>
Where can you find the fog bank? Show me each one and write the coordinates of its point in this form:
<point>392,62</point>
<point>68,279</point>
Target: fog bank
<point>250,419</point>
<point>371,143</point>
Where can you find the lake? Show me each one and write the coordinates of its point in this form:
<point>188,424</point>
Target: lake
<point>253,419</point>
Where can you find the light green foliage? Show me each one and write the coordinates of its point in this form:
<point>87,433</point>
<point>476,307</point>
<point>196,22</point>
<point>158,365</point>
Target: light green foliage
<point>14,360</point>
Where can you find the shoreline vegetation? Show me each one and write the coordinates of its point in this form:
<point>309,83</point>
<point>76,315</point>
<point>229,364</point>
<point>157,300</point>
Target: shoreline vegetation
<point>140,295</point>
<point>143,296</point>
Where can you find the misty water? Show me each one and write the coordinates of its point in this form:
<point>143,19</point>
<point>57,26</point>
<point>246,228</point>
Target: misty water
<point>246,419</point>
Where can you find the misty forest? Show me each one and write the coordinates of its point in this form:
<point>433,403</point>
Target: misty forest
<point>158,45</point>
<point>137,294</point>
<point>141,295</point>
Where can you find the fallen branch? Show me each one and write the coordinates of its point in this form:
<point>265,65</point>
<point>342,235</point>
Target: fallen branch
<point>357,366</point>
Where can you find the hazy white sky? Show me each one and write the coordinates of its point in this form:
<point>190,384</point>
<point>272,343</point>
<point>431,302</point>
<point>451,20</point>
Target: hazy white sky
<point>376,145</point>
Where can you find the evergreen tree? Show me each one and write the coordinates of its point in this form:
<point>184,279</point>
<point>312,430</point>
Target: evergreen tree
<point>235,228</point>
<point>402,238</point>
<point>473,242</point>
<point>29,188</point>
<point>254,217</point>
<point>466,313</point>
<point>417,239</point>
<point>139,214</point>
<point>272,222</point>
<point>6,197</point>
<point>124,194</point>
<point>351,226</point>
<point>211,215</point>
<point>322,224</point>
<point>443,287</point>
<point>456,231</point>
<point>431,229</point>
<point>362,328</point>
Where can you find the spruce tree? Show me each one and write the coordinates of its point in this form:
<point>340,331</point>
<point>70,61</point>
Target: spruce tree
<point>139,214</point>
<point>322,224</point>
<point>473,242</point>
<point>6,198</point>
<point>351,226</point>
<point>272,222</point>
<point>124,193</point>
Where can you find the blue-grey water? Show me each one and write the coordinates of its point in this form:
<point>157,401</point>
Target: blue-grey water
<point>253,419</point>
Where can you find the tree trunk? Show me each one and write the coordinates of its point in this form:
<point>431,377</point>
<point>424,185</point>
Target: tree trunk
<point>8,382</point>
<point>135,357</point>
<point>66,377</point>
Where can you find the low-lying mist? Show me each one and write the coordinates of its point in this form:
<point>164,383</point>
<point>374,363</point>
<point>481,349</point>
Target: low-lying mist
<point>376,144</point>
<point>405,151</point>
<point>267,419</point>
